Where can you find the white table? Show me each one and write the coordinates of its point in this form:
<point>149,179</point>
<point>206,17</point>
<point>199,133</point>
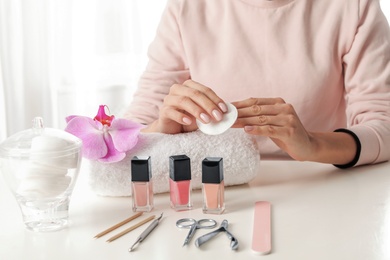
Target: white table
<point>318,212</point>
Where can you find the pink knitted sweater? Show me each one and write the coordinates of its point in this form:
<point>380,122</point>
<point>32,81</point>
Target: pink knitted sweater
<point>329,58</point>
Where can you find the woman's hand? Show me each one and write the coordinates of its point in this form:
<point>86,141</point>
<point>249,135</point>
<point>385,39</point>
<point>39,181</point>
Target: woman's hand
<point>275,118</point>
<point>183,105</point>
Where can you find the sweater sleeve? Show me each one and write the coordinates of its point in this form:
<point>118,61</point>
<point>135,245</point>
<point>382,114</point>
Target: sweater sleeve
<point>367,83</point>
<point>167,66</point>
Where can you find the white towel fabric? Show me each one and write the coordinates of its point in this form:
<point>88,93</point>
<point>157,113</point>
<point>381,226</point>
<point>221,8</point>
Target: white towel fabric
<point>239,152</point>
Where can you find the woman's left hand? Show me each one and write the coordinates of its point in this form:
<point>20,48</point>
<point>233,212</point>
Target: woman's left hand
<point>275,118</point>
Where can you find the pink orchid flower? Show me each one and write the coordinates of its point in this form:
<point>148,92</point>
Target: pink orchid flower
<point>105,138</point>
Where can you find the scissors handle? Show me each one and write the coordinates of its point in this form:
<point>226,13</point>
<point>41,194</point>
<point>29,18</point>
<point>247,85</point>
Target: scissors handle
<point>207,223</point>
<point>186,223</point>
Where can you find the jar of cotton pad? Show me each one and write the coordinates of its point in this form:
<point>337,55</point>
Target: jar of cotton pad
<point>40,166</point>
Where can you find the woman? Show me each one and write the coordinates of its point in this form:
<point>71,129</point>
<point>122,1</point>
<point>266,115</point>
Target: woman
<point>311,79</point>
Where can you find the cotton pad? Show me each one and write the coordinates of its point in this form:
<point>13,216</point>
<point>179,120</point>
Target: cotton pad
<point>218,127</point>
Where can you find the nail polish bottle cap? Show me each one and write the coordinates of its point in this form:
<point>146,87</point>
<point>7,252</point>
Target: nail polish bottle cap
<point>179,168</point>
<point>141,169</point>
<point>212,170</point>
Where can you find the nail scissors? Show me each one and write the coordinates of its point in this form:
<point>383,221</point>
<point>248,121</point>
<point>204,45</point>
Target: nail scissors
<point>193,225</point>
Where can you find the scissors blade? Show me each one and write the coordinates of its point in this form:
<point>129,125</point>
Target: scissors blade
<point>190,234</point>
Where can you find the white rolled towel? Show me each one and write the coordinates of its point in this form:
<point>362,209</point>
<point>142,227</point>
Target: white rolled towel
<point>239,152</point>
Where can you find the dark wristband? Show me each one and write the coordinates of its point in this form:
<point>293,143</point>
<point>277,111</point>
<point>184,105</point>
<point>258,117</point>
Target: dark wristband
<point>358,149</point>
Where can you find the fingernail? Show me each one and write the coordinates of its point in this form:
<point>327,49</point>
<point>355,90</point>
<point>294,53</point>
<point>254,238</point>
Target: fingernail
<point>205,118</point>
<point>187,121</point>
<point>223,107</point>
<point>249,128</point>
<point>217,115</point>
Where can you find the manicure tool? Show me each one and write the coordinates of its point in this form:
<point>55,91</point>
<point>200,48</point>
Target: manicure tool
<point>193,225</point>
<point>223,228</point>
<point>147,231</point>
<point>118,225</point>
<point>261,239</point>
<point>124,232</point>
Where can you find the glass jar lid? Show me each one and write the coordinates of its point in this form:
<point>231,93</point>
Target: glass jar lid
<point>40,141</point>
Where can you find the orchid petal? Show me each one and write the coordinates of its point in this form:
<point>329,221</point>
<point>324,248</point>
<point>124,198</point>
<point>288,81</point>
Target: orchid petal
<point>68,118</point>
<point>113,155</point>
<point>124,134</point>
<point>94,145</point>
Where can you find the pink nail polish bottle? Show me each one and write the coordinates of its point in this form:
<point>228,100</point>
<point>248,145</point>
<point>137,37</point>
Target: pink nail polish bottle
<point>213,188</point>
<point>180,182</point>
<point>141,183</point>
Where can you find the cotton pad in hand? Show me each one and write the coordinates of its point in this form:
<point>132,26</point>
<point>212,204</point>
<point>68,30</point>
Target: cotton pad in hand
<point>218,127</point>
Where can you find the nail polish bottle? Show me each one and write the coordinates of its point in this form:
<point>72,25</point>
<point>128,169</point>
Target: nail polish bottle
<point>180,182</point>
<point>213,185</point>
<point>141,183</point>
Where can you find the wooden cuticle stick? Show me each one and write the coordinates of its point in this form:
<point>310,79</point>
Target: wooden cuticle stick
<point>118,225</point>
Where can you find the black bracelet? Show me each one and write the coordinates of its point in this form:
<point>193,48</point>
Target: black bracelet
<point>358,149</point>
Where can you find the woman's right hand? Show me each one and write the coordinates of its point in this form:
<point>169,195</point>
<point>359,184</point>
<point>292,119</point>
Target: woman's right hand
<point>183,105</point>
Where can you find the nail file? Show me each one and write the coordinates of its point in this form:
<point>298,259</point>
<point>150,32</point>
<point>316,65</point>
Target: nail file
<point>216,128</point>
<point>261,239</point>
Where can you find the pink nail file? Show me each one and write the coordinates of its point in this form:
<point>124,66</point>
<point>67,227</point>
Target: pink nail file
<point>261,240</point>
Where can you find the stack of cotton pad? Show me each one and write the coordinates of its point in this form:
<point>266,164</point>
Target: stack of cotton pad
<point>239,152</point>
<point>46,176</point>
